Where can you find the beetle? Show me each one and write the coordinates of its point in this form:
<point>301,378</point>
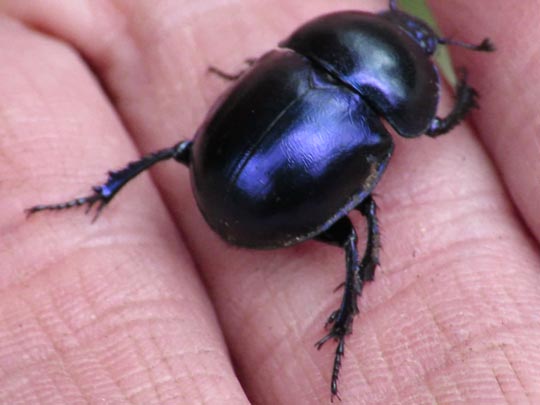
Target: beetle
<point>298,141</point>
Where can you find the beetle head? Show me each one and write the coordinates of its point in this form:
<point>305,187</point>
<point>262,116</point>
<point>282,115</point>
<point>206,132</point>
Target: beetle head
<point>417,29</point>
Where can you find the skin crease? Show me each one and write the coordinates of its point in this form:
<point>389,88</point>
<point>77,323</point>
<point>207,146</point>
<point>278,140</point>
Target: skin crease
<point>147,305</point>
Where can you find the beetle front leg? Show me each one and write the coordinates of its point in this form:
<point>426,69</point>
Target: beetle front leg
<point>485,46</point>
<point>465,101</point>
<point>104,193</point>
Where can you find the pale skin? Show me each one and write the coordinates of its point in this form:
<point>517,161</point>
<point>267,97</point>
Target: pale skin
<point>148,305</point>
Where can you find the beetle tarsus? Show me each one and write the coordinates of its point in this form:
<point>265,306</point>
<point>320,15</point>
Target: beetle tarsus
<point>77,202</point>
<point>104,193</point>
<point>342,234</point>
<point>485,46</point>
<point>231,77</point>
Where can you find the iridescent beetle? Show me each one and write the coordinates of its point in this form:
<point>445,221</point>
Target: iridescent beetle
<point>298,142</point>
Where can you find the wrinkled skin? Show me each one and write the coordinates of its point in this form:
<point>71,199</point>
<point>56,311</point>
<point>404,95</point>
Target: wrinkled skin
<point>148,305</point>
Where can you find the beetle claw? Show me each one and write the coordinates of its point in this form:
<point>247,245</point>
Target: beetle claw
<point>322,341</point>
<point>331,319</point>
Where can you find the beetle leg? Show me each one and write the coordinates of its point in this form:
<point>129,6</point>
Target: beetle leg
<point>370,261</point>
<point>342,234</point>
<point>485,46</point>
<point>232,76</point>
<point>465,101</point>
<point>104,193</point>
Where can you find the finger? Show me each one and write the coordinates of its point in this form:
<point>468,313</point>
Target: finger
<point>508,121</point>
<point>109,310</point>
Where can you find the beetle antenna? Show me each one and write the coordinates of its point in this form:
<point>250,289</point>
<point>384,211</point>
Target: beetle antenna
<point>485,46</point>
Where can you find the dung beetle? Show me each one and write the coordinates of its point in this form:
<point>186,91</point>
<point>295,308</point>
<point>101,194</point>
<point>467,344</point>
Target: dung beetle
<point>298,141</point>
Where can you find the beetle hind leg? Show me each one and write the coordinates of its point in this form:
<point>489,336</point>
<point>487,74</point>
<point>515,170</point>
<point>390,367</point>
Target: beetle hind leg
<point>231,77</point>
<point>465,100</point>
<point>104,193</point>
<point>343,234</point>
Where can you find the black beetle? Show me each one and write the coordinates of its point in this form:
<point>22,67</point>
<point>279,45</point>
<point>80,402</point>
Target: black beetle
<point>298,142</point>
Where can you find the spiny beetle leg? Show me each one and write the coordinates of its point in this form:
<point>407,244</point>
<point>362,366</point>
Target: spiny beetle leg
<point>104,193</point>
<point>342,234</point>
<point>370,261</point>
<point>231,77</point>
<point>465,101</point>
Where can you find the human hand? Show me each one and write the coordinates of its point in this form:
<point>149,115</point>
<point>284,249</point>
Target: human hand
<point>126,309</point>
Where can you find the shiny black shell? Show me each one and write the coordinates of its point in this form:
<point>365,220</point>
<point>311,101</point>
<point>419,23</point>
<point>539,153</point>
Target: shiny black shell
<point>298,141</point>
<point>285,154</point>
